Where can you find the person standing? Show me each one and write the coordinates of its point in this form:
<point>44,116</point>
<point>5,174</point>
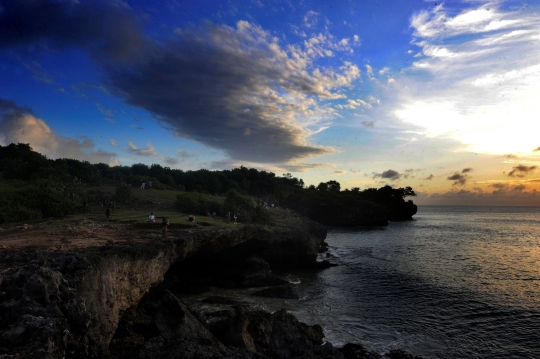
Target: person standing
<point>234,216</point>
<point>164,227</point>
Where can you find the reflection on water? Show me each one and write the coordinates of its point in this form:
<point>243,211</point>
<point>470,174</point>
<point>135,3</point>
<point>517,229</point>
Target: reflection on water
<point>457,282</point>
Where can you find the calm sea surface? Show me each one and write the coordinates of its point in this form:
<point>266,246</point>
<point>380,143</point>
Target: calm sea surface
<point>457,282</point>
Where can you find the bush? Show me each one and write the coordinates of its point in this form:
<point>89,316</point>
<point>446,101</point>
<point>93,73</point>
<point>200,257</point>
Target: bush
<point>124,193</point>
<point>243,206</point>
<point>36,200</point>
<point>198,203</point>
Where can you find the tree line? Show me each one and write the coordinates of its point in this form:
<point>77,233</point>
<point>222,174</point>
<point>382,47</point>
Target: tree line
<point>34,186</point>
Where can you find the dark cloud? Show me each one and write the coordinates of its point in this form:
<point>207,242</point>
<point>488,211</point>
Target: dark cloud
<point>234,89</point>
<point>536,149</point>
<point>466,170</point>
<point>108,31</point>
<point>521,171</point>
<point>368,124</point>
<point>430,177</point>
<point>390,174</point>
<point>20,125</point>
<point>458,178</point>
<point>228,90</point>
<point>171,161</point>
<point>499,186</point>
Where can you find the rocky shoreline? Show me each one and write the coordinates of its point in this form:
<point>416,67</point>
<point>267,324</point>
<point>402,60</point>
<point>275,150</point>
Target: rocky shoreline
<point>117,298</point>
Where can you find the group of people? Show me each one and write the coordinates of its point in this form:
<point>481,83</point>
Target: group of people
<point>165,221</point>
<point>144,185</point>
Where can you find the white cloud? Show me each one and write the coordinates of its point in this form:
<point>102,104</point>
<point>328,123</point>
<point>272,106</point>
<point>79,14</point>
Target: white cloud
<point>482,86</point>
<point>311,19</point>
<point>384,70</point>
<point>149,151</point>
<point>352,104</point>
<point>369,71</point>
<point>19,125</point>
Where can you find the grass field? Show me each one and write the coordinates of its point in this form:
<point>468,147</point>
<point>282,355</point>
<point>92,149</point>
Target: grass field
<point>160,202</point>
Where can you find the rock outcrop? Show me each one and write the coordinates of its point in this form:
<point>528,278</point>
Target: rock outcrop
<point>68,304</point>
<point>332,211</point>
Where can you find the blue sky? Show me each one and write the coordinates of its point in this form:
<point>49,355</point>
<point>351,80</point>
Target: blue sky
<point>440,96</point>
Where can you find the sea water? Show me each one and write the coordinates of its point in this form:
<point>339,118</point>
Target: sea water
<point>456,282</point>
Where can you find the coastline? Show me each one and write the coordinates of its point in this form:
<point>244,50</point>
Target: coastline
<point>66,297</point>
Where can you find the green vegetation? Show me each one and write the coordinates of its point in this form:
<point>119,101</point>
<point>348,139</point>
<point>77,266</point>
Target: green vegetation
<point>34,187</point>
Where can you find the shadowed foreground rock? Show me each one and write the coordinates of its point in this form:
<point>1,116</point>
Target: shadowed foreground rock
<point>88,302</point>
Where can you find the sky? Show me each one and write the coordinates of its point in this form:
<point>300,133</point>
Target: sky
<point>439,96</point>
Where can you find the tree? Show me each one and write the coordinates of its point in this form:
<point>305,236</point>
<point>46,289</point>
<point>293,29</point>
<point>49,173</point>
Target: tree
<point>333,186</point>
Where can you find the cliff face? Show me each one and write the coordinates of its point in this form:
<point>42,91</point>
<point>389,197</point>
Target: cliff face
<point>68,304</point>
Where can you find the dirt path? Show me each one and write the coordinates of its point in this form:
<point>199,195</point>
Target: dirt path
<point>72,236</point>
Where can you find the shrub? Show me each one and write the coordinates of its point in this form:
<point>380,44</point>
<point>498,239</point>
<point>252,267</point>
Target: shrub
<point>124,193</point>
<point>244,206</point>
<point>198,203</point>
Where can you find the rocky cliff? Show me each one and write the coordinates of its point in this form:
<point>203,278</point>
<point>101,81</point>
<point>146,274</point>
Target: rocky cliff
<point>57,303</point>
<point>110,293</point>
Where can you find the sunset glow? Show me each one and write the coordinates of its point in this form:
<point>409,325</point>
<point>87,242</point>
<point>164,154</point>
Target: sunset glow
<point>442,97</point>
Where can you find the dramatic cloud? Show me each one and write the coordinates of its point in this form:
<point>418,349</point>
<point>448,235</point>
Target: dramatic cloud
<point>20,125</point>
<point>236,90</point>
<point>105,29</point>
<point>390,174</point>
<point>521,171</point>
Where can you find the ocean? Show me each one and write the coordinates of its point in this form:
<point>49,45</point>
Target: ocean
<point>456,282</point>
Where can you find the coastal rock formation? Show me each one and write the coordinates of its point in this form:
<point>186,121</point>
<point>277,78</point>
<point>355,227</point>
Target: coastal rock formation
<point>116,298</point>
<point>69,303</point>
<point>335,211</point>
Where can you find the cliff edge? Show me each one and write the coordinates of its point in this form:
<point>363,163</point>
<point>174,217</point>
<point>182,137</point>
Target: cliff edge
<point>64,298</point>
